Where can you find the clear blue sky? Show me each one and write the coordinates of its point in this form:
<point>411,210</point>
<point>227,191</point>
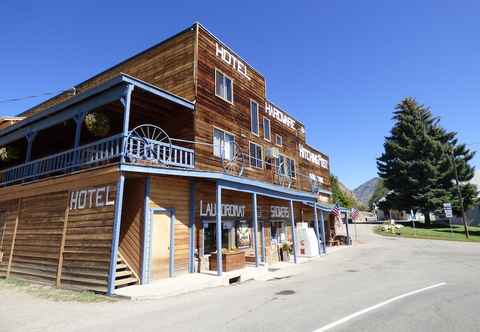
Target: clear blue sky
<point>339,66</point>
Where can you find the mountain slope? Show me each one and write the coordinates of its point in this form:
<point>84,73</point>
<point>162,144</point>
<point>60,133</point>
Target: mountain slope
<point>365,191</point>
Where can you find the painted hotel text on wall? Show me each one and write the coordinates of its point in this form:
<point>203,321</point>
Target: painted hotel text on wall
<point>231,60</point>
<point>90,198</point>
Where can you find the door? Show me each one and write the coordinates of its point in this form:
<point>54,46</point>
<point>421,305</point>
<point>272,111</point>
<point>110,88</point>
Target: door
<point>161,231</point>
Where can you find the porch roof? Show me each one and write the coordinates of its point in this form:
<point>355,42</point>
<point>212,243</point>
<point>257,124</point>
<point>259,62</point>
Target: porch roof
<point>105,92</point>
<point>231,182</point>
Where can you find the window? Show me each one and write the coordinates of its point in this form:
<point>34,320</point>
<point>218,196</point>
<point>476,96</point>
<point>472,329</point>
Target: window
<point>256,155</point>
<point>223,144</point>
<point>278,140</point>
<point>285,166</point>
<point>266,129</point>
<point>281,166</point>
<point>254,117</point>
<point>223,86</point>
<point>291,168</point>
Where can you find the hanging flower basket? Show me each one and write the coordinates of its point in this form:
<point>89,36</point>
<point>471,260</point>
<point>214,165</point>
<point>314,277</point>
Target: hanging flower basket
<point>9,153</point>
<point>98,124</point>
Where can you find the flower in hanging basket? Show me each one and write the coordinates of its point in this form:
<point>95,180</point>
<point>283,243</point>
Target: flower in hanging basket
<point>9,153</point>
<point>97,124</point>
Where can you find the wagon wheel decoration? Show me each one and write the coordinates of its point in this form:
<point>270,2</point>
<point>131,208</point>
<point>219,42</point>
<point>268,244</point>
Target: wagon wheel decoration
<point>233,161</point>
<point>150,143</point>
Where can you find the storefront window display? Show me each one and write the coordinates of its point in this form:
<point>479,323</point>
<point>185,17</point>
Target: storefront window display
<point>236,234</point>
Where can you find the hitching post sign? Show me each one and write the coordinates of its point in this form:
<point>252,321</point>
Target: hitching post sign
<point>447,207</point>
<point>90,198</point>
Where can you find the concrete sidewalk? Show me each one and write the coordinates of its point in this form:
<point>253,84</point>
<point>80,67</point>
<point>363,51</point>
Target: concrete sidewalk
<point>192,282</point>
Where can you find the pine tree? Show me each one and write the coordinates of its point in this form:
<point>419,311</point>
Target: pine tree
<point>416,165</point>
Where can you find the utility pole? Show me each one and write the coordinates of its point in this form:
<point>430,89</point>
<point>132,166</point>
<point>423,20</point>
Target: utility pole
<point>460,197</point>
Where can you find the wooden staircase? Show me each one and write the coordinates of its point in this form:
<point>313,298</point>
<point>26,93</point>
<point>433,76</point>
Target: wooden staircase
<point>125,276</point>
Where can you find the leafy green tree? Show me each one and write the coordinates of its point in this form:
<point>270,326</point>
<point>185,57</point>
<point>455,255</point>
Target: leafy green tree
<point>339,196</point>
<point>416,163</point>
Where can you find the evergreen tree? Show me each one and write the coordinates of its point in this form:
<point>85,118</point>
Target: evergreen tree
<point>416,163</point>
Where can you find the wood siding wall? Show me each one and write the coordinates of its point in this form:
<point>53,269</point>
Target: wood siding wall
<point>173,192</point>
<point>214,112</point>
<point>53,244</point>
<point>131,231</point>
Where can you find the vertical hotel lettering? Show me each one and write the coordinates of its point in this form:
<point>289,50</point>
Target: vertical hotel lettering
<point>231,60</point>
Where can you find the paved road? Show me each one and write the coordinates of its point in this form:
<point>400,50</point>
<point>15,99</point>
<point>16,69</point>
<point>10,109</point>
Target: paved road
<point>376,269</point>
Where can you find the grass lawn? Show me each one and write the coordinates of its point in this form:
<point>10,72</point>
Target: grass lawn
<point>52,293</point>
<point>436,232</point>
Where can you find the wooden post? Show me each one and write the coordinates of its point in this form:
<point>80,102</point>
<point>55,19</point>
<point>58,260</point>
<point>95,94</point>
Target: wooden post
<point>191,228</point>
<point>255,228</point>
<point>19,207</point>
<point>317,230</point>
<point>294,233</point>
<point>322,227</point>
<point>146,233</point>
<point>116,234</point>
<point>219,229</point>
<point>62,244</point>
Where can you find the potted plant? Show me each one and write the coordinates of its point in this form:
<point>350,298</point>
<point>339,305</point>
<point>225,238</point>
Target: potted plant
<point>285,251</point>
<point>98,124</point>
<point>9,153</point>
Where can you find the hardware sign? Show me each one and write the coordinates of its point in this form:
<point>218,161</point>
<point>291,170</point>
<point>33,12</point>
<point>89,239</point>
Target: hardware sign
<point>278,115</point>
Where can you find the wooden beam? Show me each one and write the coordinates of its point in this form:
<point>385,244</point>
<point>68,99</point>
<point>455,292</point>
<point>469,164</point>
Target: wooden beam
<point>19,209</point>
<point>219,229</point>
<point>62,243</point>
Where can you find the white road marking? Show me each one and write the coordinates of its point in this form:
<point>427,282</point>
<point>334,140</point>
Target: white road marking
<point>376,306</point>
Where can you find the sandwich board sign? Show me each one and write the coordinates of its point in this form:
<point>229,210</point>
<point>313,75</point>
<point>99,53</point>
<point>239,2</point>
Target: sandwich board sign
<point>447,208</point>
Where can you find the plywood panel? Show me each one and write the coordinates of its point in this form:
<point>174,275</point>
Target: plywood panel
<point>173,192</point>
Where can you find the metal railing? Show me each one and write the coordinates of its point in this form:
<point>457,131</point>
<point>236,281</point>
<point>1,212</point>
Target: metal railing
<point>100,152</point>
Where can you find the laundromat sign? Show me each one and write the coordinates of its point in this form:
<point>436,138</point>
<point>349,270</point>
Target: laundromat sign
<point>91,198</point>
<point>208,209</point>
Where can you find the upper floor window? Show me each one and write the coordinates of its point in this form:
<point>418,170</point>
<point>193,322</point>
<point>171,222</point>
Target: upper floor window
<point>278,140</point>
<point>223,86</point>
<point>256,155</point>
<point>266,129</point>
<point>291,168</point>
<point>223,144</point>
<point>285,166</point>
<point>254,117</point>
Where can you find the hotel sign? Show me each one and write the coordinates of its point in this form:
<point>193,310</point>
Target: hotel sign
<point>90,198</point>
<point>228,210</point>
<point>231,60</point>
<point>312,157</point>
<point>278,115</point>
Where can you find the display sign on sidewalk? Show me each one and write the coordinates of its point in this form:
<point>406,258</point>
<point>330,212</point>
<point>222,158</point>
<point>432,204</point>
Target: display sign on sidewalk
<point>447,208</point>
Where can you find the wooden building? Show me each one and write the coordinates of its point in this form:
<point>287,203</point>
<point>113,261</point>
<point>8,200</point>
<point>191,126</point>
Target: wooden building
<point>130,176</point>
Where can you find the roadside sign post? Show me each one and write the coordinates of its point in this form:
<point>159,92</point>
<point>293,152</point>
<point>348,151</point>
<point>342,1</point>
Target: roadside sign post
<point>447,208</point>
<point>413,217</point>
